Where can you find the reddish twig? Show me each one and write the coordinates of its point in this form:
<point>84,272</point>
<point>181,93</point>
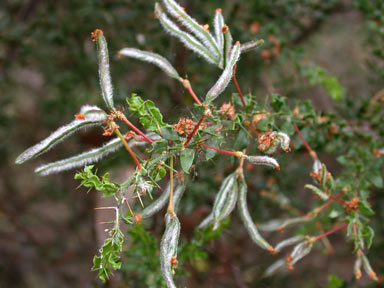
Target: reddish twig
<point>237,154</point>
<point>190,136</point>
<point>310,150</point>
<point>315,238</point>
<point>126,121</point>
<point>187,85</point>
<point>237,86</point>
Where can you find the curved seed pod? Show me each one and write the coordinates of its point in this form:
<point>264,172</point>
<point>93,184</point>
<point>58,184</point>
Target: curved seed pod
<point>207,221</point>
<point>162,201</point>
<point>274,268</point>
<point>191,24</point>
<point>104,71</point>
<point>269,142</point>
<point>188,40</point>
<point>247,220</point>
<point>218,24</point>
<point>284,140</point>
<point>299,251</point>
<point>225,200</point>
<point>289,241</point>
<point>168,249</point>
<point>278,225</point>
<point>226,76</point>
<point>90,116</point>
<point>368,268</point>
<point>153,58</point>
<point>88,157</point>
<point>263,160</point>
<point>317,192</point>
<point>251,45</point>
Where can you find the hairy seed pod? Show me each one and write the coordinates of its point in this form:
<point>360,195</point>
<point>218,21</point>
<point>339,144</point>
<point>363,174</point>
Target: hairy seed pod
<point>104,71</point>
<point>276,266</point>
<point>187,39</point>
<point>89,157</point>
<point>299,251</point>
<point>207,221</point>
<point>280,224</point>
<point>251,45</point>
<point>288,242</point>
<point>263,160</point>
<point>191,24</point>
<point>368,268</point>
<point>153,58</point>
<point>357,267</point>
<point>226,76</point>
<point>168,248</point>
<point>228,42</point>
<point>247,220</point>
<point>317,192</point>
<point>225,200</point>
<point>218,23</point>
<point>90,116</point>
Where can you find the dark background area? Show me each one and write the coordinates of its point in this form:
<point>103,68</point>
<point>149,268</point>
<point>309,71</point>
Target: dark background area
<point>48,69</point>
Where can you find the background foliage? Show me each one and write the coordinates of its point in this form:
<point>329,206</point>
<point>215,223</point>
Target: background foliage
<point>330,52</point>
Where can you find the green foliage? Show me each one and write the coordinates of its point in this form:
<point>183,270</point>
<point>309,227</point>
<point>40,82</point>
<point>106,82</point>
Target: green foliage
<point>335,282</point>
<point>149,115</point>
<point>109,258</point>
<point>90,180</point>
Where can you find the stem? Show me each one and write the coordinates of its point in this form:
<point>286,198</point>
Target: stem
<point>195,130</point>
<point>128,148</point>
<point>237,86</point>
<point>187,85</point>
<point>233,153</point>
<point>126,121</point>
<point>311,152</point>
<point>315,238</point>
<point>170,209</point>
<point>325,205</point>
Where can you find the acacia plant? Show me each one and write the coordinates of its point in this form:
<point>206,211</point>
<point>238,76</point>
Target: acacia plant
<point>240,129</point>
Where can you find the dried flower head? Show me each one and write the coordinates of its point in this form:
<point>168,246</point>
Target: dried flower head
<point>184,126</point>
<point>228,111</point>
<point>352,205</point>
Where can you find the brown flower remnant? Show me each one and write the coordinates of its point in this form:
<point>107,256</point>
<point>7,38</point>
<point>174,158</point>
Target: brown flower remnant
<point>288,260</point>
<point>254,27</point>
<point>378,153</point>
<point>174,262</point>
<point>256,119</point>
<point>266,141</point>
<point>206,27</point>
<point>352,205</point>
<point>96,34</point>
<point>184,126</point>
<point>138,218</point>
<point>225,29</point>
<point>110,128</point>
<point>228,111</point>
<point>132,135</point>
<point>80,116</point>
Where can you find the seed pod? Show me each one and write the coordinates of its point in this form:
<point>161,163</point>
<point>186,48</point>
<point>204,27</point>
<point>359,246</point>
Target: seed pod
<point>225,200</point>
<point>104,71</point>
<point>153,58</point>
<point>357,267</point>
<point>368,268</point>
<point>317,192</point>
<point>218,23</point>
<point>279,264</point>
<point>269,142</point>
<point>168,248</point>
<point>207,221</point>
<point>91,116</point>
<point>251,45</point>
<point>225,76</point>
<point>280,224</point>
<point>188,40</point>
<point>192,25</point>
<point>263,160</point>
<point>160,202</point>
<point>299,251</point>
<point>288,242</point>
<point>247,220</point>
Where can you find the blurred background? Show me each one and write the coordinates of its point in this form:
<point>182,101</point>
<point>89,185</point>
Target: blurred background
<point>48,69</point>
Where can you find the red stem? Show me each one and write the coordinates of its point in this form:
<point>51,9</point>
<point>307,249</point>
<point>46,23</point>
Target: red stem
<point>238,90</point>
<point>126,121</point>
<point>325,205</point>
<point>237,86</point>
<point>220,150</point>
<point>311,152</point>
<point>189,88</point>
<point>194,130</point>
<point>330,232</point>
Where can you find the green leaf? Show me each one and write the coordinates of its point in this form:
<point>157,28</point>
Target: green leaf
<point>278,102</point>
<point>149,115</point>
<point>169,134</point>
<point>365,208</point>
<point>186,159</point>
<point>375,178</point>
<point>334,281</point>
<point>242,141</point>
<point>368,234</point>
